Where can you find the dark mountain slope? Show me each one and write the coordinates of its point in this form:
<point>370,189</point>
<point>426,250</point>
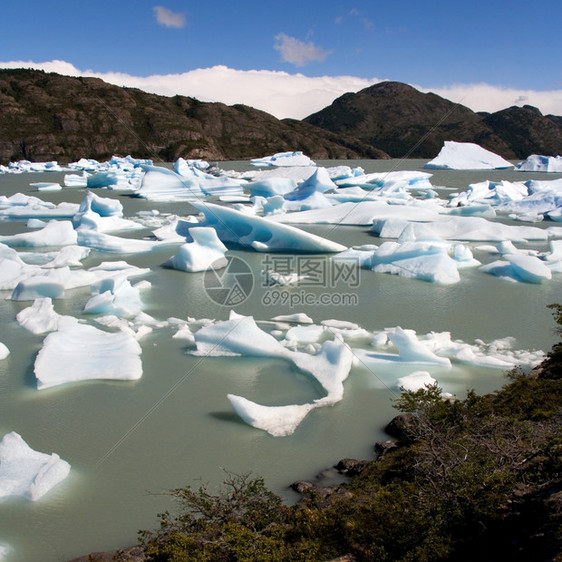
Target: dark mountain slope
<point>47,116</point>
<point>407,123</point>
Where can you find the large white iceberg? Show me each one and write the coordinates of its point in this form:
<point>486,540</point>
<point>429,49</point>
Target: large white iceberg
<point>79,352</point>
<point>466,156</point>
<point>261,234</point>
<point>28,473</point>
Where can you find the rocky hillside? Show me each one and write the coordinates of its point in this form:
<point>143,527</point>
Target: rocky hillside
<point>404,122</point>
<point>46,116</point>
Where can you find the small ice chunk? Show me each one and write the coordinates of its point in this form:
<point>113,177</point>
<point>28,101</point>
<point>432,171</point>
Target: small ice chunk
<point>296,158</point>
<point>28,473</point>
<point>416,381</point>
<point>204,252</point>
<point>40,317</point>
<point>305,334</point>
<point>297,317</point>
<point>4,351</point>
<point>278,421</point>
<point>412,350</point>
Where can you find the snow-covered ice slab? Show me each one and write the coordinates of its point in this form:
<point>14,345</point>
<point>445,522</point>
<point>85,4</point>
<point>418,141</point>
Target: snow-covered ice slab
<point>79,352</point>
<point>28,473</point>
<point>283,159</point>
<point>538,163</point>
<point>466,156</point>
<point>261,234</point>
<point>204,252</point>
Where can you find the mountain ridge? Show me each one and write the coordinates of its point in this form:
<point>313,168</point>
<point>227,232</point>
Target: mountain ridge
<point>405,122</point>
<point>47,116</point>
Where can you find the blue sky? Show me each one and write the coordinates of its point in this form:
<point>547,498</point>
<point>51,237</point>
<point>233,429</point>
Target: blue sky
<point>511,51</point>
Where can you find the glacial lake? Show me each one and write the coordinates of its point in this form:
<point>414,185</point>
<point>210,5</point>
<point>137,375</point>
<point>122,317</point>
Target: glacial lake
<point>130,442</point>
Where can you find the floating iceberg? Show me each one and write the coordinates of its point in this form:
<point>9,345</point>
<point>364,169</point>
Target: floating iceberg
<point>79,352</point>
<point>204,252</point>
<point>261,234</point>
<point>278,421</point>
<point>537,163</point>
<point>115,296</point>
<point>466,156</point>
<point>519,267</point>
<point>417,380</point>
<point>28,473</point>
<point>284,159</point>
<point>40,317</point>
<point>20,206</point>
<point>161,184</point>
<point>56,233</point>
<point>101,214</point>
<point>4,351</point>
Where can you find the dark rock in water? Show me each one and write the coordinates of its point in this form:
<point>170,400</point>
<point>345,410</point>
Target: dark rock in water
<point>401,426</point>
<point>380,449</point>
<point>302,486</point>
<point>351,467</point>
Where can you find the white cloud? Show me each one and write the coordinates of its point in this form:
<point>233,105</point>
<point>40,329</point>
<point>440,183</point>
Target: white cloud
<point>168,18</point>
<point>485,97</point>
<point>294,95</point>
<point>298,52</point>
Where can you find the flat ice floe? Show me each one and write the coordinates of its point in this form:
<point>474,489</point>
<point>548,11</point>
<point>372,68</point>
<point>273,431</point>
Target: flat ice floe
<point>79,352</point>
<point>27,473</point>
<point>466,156</point>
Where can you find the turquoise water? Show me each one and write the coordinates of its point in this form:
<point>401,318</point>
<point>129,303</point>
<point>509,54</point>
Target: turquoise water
<point>128,442</point>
